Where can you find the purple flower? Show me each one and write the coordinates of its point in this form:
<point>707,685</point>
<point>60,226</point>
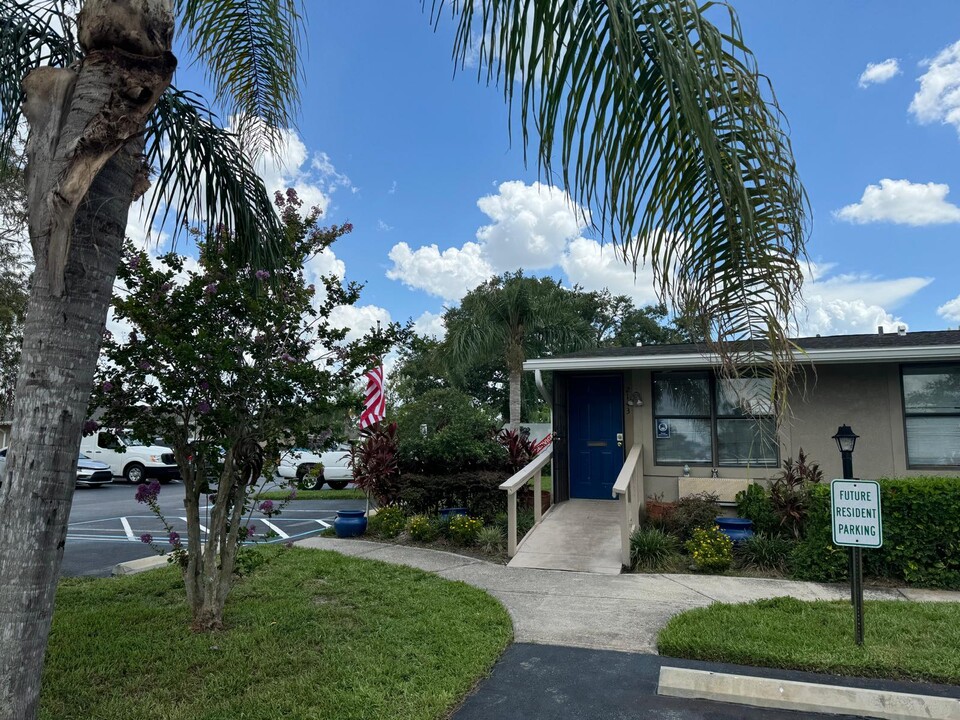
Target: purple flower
<point>203,408</point>
<point>262,274</point>
<point>145,366</point>
<point>204,385</point>
<point>251,530</point>
<point>266,507</point>
<point>90,426</point>
<point>287,357</point>
<point>107,386</point>
<point>134,262</point>
<point>148,492</point>
<point>174,538</point>
<point>210,289</point>
<point>146,538</point>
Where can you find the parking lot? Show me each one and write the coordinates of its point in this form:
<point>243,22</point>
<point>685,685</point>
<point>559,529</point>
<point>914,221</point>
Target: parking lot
<point>106,524</point>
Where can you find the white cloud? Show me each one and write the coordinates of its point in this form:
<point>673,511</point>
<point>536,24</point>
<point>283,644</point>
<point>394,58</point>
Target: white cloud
<point>845,303</point>
<point>359,319</point>
<point>938,98</point>
<point>950,310</point>
<point>595,267</point>
<point>531,225</point>
<point>383,227</point>
<point>880,72</point>
<point>431,325</point>
<point>393,188</point>
<point>449,274</point>
<point>902,202</point>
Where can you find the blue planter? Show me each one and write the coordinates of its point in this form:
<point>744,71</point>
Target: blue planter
<point>448,513</point>
<point>350,523</point>
<point>737,529</point>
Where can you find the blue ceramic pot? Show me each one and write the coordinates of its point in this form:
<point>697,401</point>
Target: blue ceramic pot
<point>737,529</point>
<point>448,513</point>
<point>350,523</point>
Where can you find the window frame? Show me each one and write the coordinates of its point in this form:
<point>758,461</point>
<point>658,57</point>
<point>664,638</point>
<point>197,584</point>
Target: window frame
<point>904,413</point>
<point>713,417</point>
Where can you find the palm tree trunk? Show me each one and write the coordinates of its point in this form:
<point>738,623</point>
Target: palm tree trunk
<point>60,347</point>
<point>516,376</point>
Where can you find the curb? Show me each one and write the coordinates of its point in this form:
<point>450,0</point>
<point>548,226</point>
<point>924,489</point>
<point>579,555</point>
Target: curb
<point>133,567</point>
<point>804,696</point>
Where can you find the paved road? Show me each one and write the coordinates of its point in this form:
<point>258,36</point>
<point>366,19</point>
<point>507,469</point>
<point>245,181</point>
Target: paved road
<point>106,524</point>
<point>567,683</point>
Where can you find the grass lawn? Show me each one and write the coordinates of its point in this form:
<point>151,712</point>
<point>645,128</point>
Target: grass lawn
<point>903,640</point>
<point>312,634</point>
<point>328,494</point>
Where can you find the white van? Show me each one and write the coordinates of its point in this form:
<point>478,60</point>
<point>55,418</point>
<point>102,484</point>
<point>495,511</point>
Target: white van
<point>135,463</point>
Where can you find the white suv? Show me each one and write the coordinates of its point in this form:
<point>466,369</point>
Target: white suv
<point>135,463</point>
<point>296,463</point>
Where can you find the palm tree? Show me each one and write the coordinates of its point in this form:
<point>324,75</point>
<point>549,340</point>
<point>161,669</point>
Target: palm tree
<point>508,316</point>
<point>659,118</point>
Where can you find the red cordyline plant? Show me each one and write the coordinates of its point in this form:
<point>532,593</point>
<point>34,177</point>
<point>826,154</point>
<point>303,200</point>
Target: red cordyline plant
<point>790,493</point>
<point>374,463</point>
<point>519,447</point>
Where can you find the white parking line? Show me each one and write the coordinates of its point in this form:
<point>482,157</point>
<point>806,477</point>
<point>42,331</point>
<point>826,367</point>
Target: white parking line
<point>324,523</point>
<point>273,527</point>
<point>127,529</point>
<point>202,528</point>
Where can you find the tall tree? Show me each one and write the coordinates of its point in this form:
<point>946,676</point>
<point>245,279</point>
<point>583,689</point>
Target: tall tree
<point>660,118</point>
<point>94,90</point>
<point>14,277</point>
<point>505,318</point>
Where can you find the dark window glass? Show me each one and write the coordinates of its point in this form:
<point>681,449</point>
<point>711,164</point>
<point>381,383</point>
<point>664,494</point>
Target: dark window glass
<point>931,403</point>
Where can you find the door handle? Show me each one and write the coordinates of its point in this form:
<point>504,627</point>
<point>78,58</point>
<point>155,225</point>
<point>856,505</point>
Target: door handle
<point>619,439</point>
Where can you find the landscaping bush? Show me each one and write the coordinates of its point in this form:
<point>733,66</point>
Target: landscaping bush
<point>790,493</point>
<point>491,539</point>
<point>765,552</point>
<point>692,512</point>
<point>460,436</point>
<point>754,503</point>
<point>388,522</point>
<point>374,463</point>
<point>478,491</point>
<point>711,550</point>
<point>921,535</point>
<point>464,529</point>
<point>422,529</point>
<point>651,548</point>
<point>525,521</point>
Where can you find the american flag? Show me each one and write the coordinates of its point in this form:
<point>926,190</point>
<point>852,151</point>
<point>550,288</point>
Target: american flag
<point>376,403</point>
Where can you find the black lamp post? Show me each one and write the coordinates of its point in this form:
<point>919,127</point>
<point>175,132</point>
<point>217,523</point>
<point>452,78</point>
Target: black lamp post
<point>846,441</point>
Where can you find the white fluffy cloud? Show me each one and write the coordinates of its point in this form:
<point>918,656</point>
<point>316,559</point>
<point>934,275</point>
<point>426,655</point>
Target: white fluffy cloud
<point>594,267</point>
<point>880,72</point>
<point>950,310</point>
<point>431,325</point>
<point>844,303</point>
<point>531,225</point>
<point>938,99</point>
<point>358,319</point>
<point>449,274</point>
<point>902,202</point>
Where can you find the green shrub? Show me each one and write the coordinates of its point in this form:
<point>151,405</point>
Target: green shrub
<point>921,535</point>
<point>464,529</point>
<point>765,552</point>
<point>754,503</point>
<point>491,539</point>
<point>525,521</point>
<point>388,522</point>
<point>692,512</point>
<point>710,549</point>
<point>422,529</point>
<point>477,490</point>
<point>651,548</point>
<point>460,436</point>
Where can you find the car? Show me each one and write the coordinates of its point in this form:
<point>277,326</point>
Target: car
<point>337,473</point>
<point>90,473</point>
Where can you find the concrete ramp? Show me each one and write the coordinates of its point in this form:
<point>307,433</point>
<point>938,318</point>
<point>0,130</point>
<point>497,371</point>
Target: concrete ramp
<point>576,535</point>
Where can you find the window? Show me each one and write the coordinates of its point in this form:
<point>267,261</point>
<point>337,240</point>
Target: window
<point>702,419</point>
<point>931,408</point>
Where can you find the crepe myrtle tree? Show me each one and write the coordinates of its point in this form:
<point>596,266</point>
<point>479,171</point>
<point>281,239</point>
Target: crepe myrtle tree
<point>229,364</point>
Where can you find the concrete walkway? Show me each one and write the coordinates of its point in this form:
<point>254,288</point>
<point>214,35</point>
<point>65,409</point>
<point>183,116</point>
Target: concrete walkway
<point>578,535</point>
<point>610,612</point>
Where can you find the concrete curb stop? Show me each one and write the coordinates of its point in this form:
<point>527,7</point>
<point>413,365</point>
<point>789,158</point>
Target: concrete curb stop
<point>804,696</point>
<point>132,567</point>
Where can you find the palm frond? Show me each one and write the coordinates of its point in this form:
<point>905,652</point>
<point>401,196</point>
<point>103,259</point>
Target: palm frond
<point>251,51</point>
<point>204,176</point>
<point>32,34</point>
<point>665,129</point>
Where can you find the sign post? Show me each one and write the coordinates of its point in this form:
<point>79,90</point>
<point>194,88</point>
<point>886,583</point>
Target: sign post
<point>855,513</point>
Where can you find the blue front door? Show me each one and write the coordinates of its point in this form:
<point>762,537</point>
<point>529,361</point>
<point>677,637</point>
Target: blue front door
<point>596,435</point>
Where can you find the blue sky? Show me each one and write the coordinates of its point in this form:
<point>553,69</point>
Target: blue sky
<point>391,141</point>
